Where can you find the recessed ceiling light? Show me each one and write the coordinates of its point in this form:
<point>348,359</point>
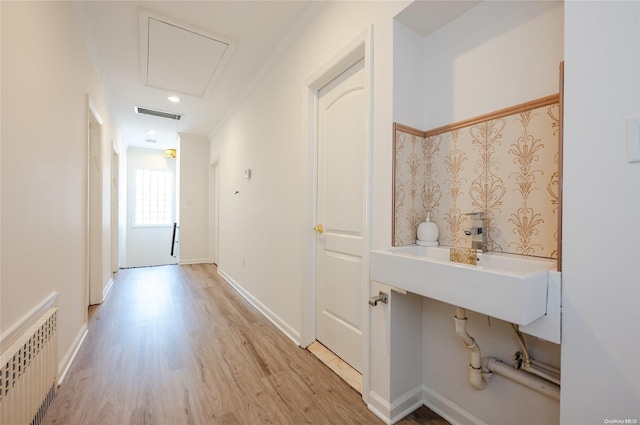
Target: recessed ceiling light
<point>150,132</point>
<point>174,99</point>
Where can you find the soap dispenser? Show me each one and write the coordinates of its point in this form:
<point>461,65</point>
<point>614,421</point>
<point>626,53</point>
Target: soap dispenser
<point>428,232</point>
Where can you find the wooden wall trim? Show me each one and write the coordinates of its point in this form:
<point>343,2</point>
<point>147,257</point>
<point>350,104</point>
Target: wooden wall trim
<point>511,110</point>
<point>560,160</point>
<point>406,129</point>
<point>396,127</point>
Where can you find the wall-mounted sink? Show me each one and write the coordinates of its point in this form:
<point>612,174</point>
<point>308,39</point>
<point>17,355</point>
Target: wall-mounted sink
<point>506,286</point>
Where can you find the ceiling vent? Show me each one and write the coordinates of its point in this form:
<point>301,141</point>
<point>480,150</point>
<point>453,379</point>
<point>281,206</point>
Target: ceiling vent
<point>180,58</point>
<point>157,113</point>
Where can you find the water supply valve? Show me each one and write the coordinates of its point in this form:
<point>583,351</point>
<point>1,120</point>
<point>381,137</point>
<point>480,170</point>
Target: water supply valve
<point>381,297</point>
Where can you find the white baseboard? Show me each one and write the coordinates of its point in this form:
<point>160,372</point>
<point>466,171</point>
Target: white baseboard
<point>284,327</point>
<point>107,289</point>
<point>450,411</point>
<point>406,404</point>
<point>193,261</point>
<point>379,407</point>
<point>71,354</point>
<point>391,413</point>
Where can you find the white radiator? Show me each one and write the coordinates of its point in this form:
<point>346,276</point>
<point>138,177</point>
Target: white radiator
<point>29,373</point>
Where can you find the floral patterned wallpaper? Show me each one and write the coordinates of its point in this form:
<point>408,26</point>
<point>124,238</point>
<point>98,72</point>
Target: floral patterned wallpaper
<point>505,166</point>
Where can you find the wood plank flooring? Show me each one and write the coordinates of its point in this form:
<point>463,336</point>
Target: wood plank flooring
<point>176,345</point>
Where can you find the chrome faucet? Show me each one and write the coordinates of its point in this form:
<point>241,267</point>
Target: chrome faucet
<point>477,231</point>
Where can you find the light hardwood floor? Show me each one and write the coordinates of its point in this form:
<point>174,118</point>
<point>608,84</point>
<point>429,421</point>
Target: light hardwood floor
<point>176,345</point>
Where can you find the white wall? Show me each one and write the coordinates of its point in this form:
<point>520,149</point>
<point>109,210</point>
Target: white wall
<point>46,73</point>
<point>601,335</point>
<point>408,77</point>
<point>147,245</point>
<point>194,199</point>
<point>496,55</point>
<point>264,221</point>
<point>46,76</point>
<point>601,271</point>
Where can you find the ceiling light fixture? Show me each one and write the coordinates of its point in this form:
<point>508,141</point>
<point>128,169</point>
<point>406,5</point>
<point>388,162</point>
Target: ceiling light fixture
<point>174,99</point>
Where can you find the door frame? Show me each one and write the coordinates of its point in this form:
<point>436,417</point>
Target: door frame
<point>359,48</point>
<point>94,207</point>
<point>115,209</point>
<point>214,211</point>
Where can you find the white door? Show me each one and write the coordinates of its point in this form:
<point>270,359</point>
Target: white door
<point>340,242</point>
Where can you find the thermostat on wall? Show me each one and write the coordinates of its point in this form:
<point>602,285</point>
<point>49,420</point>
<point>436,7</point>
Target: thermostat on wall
<point>247,173</point>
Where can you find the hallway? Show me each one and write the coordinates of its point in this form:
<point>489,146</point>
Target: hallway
<point>177,345</point>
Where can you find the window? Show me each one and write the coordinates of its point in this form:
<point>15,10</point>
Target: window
<point>153,197</point>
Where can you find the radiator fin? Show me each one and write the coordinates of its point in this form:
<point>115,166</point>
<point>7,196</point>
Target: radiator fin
<point>29,373</point>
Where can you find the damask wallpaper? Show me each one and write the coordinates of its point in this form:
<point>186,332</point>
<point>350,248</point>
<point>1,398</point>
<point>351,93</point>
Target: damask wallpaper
<point>505,166</point>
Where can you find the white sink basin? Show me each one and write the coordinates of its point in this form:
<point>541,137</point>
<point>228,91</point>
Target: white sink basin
<point>506,286</point>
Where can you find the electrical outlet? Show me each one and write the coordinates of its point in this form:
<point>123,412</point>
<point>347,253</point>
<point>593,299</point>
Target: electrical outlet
<point>633,139</point>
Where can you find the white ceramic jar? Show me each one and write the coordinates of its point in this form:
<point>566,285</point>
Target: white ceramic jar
<point>428,232</point>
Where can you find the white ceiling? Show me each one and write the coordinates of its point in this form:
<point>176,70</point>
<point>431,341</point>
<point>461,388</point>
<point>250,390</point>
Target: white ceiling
<point>209,53</point>
<point>427,16</point>
<point>221,48</point>
<point>179,58</point>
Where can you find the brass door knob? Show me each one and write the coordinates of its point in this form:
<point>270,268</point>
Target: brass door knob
<point>319,228</point>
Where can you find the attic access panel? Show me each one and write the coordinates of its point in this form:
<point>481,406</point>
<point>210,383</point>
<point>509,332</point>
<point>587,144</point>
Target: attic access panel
<point>178,58</point>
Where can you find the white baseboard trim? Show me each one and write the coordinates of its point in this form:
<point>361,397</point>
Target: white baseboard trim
<point>193,261</point>
<point>379,407</point>
<point>450,411</point>
<point>71,354</point>
<point>107,289</point>
<point>21,326</point>
<point>406,404</point>
<point>391,413</point>
<point>284,327</point>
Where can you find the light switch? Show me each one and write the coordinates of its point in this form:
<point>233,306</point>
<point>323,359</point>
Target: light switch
<point>633,139</point>
<point>247,173</point>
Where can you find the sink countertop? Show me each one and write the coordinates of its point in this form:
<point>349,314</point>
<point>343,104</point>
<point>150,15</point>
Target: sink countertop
<point>506,286</point>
